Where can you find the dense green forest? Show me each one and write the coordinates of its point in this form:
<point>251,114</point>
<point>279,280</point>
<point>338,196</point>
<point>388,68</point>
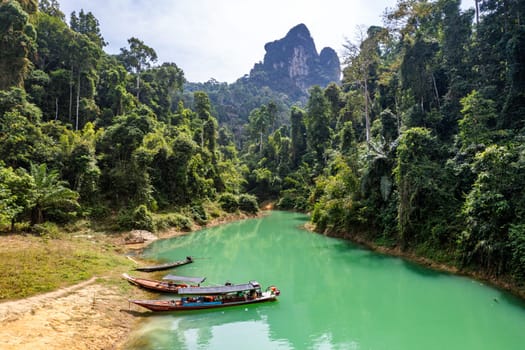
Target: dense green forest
<point>421,146</point>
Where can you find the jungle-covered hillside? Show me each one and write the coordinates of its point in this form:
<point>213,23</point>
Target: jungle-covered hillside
<point>420,146</point>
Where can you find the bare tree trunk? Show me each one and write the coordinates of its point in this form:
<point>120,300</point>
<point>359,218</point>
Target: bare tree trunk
<point>477,11</point>
<point>56,108</point>
<point>138,84</point>
<point>397,116</point>
<point>37,216</point>
<point>436,90</point>
<point>367,116</point>
<point>78,100</point>
<point>71,94</point>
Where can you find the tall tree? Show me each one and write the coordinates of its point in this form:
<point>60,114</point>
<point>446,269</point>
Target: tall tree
<point>138,57</point>
<point>84,58</point>
<point>259,122</point>
<point>51,8</point>
<point>362,59</point>
<point>298,135</point>
<point>317,123</point>
<point>422,185</point>
<point>87,24</point>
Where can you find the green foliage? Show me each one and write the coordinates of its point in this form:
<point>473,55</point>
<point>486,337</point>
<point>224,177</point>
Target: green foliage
<point>142,218</point>
<point>15,194</point>
<point>493,211</point>
<point>229,202</point>
<point>138,57</point>
<point>50,195</point>
<point>17,44</point>
<point>47,230</point>
<point>422,186</point>
<point>199,214</point>
<point>421,145</point>
<point>517,250</point>
<point>177,221</point>
<point>335,209</point>
<point>479,116</point>
<point>248,203</point>
<point>87,24</point>
<point>138,218</point>
<point>318,125</point>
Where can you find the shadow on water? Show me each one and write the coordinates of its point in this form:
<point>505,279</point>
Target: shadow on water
<point>423,271</point>
<point>510,299</point>
<point>374,258</point>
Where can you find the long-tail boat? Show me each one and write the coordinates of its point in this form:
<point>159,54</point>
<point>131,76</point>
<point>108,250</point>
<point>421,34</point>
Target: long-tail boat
<point>218,296</point>
<point>169,283</point>
<point>166,266</point>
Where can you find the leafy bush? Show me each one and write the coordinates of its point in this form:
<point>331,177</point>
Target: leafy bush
<point>139,219</point>
<point>97,212</point>
<point>517,248</point>
<point>229,202</point>
<point>291,199</point>
<point>61,216</point>
<point>248,203</point>
<point>177,221</point>
<point>142,219</point>
<point>319,217</point>
<point>124,219</point>
<point>47,229</point>
<point>199,214</point>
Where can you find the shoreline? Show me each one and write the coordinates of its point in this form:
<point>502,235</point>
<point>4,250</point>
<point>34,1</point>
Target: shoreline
<point>97,315</point>
<point>410,256</point>
<point>93,314</point>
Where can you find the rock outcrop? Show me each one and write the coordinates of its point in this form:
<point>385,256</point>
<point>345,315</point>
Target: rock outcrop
<point>292,65</point>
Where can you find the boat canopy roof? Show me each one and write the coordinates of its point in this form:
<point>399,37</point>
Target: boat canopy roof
<point>220,289</point>
<point>195,280</point>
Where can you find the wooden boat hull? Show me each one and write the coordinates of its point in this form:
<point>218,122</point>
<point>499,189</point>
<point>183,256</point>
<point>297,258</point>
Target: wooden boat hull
<point>178,305</point>
<point>167,266</point>
<point>158,286</point>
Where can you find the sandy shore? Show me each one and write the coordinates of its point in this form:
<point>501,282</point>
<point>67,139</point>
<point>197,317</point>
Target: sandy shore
<point>90,315</point>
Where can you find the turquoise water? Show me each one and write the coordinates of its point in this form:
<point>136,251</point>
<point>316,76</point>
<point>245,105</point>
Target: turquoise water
<point>334,295</point>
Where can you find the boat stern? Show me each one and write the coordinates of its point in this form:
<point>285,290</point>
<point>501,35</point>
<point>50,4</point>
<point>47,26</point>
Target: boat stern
<point>273,290</point>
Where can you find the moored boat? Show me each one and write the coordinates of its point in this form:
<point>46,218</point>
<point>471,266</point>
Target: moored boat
<point>251,294</point>
<point>166,266</point>
<point>169,284</point>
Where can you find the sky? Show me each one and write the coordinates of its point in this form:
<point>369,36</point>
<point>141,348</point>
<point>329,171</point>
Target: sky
<point>223,39</point>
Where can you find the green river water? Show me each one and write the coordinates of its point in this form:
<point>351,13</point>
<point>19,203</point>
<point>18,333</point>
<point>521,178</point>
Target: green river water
<point>334,295</point>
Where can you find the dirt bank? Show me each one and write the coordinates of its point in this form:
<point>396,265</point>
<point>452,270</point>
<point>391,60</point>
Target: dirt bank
<point>89,315</point>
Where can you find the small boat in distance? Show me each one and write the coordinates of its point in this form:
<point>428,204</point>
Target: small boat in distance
<point>251,294</point>
<point>169,284</point>
<point>166,266</point>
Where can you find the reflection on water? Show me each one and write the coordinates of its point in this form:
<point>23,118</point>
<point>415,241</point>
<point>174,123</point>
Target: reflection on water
<point>225,329</point>
<point>334,295</point>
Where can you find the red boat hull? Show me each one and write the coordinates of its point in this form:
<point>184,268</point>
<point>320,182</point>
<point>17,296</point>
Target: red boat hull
<point>178,305</point>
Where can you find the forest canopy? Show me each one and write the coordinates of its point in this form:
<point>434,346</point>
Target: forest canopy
<point>421,145</point>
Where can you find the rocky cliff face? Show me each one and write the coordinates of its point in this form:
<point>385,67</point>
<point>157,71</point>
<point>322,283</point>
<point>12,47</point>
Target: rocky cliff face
<point>292,64</point>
